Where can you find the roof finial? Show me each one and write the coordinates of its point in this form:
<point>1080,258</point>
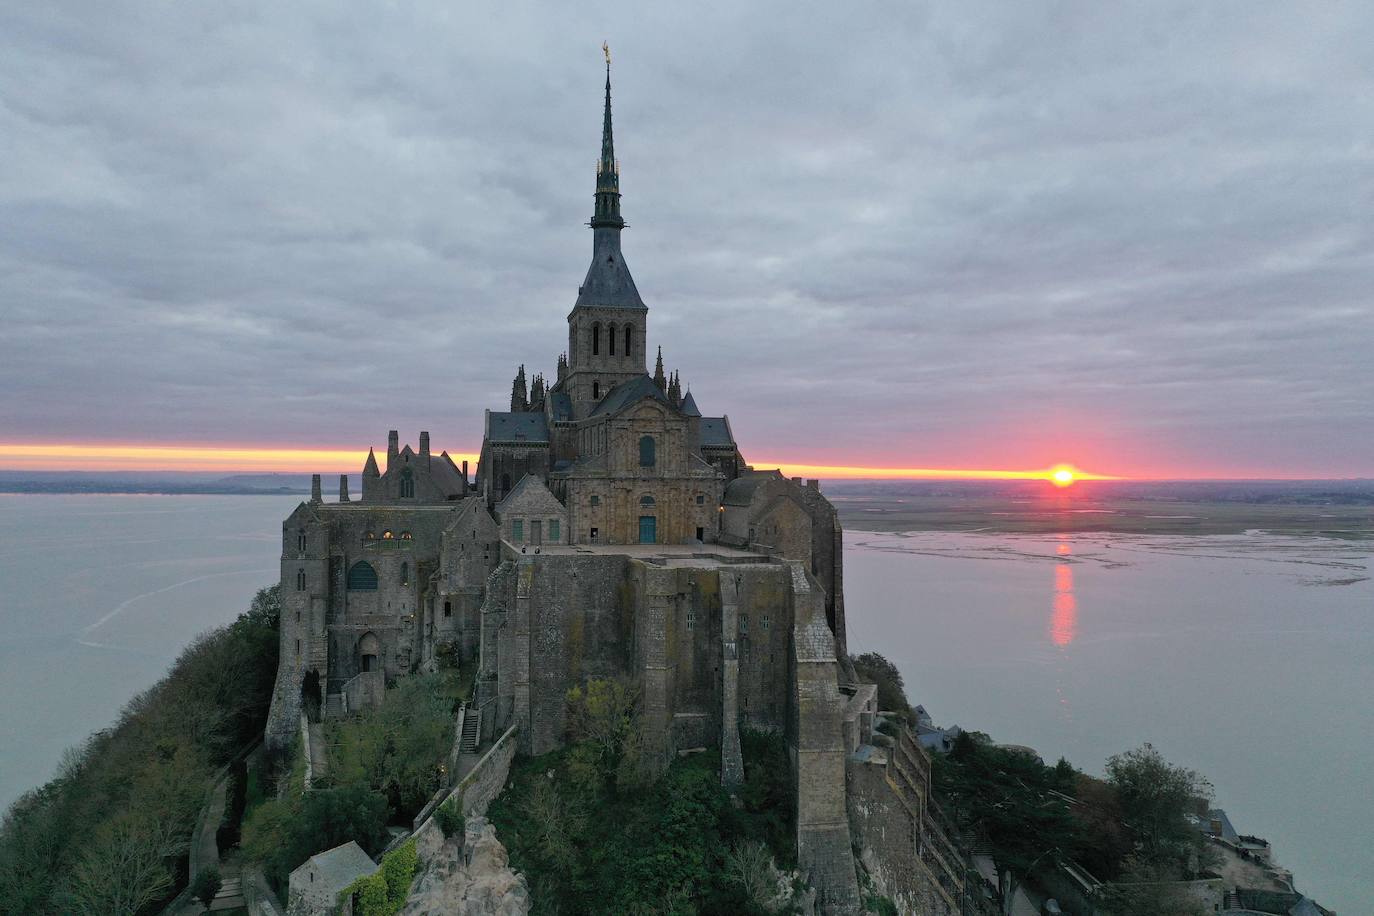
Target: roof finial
<point>606,49</point>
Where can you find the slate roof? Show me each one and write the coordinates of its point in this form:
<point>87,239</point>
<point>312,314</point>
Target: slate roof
<point>538,494</point>
<point>608,281</point>
<point>447,475</point>
<point>689,406</point>
<point>627,393</point>
<point>715,431</point>
<point>523,426</point>
<point>342,865</point>
<point>562,405</point>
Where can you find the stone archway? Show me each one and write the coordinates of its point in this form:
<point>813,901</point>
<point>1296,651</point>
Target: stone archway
<point>369,653</point>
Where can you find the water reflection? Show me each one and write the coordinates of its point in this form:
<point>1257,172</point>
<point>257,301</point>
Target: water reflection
<point>1064,613</point>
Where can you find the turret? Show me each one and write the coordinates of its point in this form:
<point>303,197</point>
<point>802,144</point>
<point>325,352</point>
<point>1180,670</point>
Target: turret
<point>537,390</point>
<point>370,468</point>
<point>343,488</point>
<point>519,396</point>
<point>675,390</point>
<point>562,366</point>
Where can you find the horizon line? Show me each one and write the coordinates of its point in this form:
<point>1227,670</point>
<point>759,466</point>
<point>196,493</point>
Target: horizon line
<point>72,457</point>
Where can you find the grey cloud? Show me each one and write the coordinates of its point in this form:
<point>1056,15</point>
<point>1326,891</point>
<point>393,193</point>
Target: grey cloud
<point>909,235</point>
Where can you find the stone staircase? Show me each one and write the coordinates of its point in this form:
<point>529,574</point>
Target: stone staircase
<point>472,731</point>
<point>230,896</point>
<point>333,705</point>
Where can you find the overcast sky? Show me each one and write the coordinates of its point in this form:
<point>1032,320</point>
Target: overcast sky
<point>894,234</point>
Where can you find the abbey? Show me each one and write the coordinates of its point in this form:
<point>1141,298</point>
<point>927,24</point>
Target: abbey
<point>610,529</point>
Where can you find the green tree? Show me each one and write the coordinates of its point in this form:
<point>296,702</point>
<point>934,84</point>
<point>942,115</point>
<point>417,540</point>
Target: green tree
<point>206,885</point>
<point>603,725</point>
<point>1154,796</point>
<point>873,668</point>
<point>1012,801</point>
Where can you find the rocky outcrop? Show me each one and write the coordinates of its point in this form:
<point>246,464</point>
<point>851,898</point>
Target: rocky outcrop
<point>471,878</point>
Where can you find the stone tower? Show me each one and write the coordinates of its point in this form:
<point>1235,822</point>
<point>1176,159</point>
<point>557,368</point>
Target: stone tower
<point>606,328</point>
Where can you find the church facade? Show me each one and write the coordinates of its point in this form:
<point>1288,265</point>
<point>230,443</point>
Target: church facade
<point>610,530</point>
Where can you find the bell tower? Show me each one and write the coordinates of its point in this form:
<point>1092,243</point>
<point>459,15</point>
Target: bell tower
<point>607,326</point>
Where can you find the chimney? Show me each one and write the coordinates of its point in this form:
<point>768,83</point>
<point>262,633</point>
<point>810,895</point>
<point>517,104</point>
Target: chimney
<point>424,446</point>
<point>343,488</point>
<point>315,496</point>
<point>814,484</point>
<point>465,473</point>
<point>393,448</point>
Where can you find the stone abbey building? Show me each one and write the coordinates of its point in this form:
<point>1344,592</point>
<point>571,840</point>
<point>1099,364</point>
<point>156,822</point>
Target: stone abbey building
<point>610,530</point>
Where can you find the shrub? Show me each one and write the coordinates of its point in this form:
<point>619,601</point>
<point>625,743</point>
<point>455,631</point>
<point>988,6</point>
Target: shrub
<point>450,819</point>
<point>384,892</point>
<point>206,885</point>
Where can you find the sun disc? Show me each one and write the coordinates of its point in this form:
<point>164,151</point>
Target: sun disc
<point>1062,477</point>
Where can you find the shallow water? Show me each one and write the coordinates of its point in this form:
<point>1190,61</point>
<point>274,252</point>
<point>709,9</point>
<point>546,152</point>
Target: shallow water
<point>98,595</point>
<point>1249,658</point>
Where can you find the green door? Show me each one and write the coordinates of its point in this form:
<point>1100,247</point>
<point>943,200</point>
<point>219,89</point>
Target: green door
<point>648,529</point>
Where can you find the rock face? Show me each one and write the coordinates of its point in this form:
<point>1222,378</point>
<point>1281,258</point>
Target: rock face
<point>473,878</point>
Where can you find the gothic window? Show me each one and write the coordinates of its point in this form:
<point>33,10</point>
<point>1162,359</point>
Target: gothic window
<point>405,573</point>
<point>300,540</point>
<point>646,500</point>
<point>388,536</point>
<point>554,529</point>
<point>610,340</point>
<point>517,530</point>
<point>362,577</point>
<point>406,536</point>
<point>596,339</point>
<point>372,535</point>
<point>300,580</point>
<point>407,484</point>
<point>646,451</point>
<point>629,340</point>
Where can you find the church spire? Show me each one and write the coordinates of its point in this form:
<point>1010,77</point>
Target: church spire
<point>659,379</point>
<point>607,169</point>
<point>608,283</point>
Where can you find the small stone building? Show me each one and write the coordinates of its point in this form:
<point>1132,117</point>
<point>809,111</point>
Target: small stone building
<point>314,888</point>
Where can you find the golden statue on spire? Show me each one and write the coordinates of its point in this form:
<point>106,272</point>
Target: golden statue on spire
<point>606,49</point>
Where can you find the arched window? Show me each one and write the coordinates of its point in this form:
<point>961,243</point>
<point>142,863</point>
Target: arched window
<point>596,338</point>
<point>646,451</point>
<point>372,535</point>
<point>596,391</point>
<point>610,340</point>
<point>387,535</point>
<point>300,580</point>
<point>406,536</point>
<point>405,573</point>
<point>646,500</point>
<point>300,540</point>
<point>629,340</point>
<point>362,577</point>
<point>407,484</point>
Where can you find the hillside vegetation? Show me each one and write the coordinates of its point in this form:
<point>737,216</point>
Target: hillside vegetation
<point>109,833</point>
<point>594,833</point>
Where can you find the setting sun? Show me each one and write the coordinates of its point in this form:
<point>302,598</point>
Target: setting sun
<point>1062,476</point>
